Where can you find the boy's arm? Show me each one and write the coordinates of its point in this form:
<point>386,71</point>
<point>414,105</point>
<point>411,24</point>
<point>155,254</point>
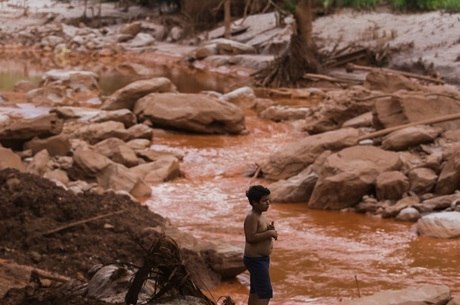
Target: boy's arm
<point>250,231</point>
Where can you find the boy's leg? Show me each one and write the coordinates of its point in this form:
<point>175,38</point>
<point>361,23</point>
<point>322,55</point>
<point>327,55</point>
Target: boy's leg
<point>254,300</point>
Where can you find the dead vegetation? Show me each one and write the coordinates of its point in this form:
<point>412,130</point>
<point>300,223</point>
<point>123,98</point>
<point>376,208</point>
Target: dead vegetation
<point>163,264</point>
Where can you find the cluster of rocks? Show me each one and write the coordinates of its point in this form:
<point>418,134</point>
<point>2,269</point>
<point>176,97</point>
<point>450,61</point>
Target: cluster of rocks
<point>405,173</point>
<point>62,38</point>
<point>107,146</point>
<point>64,30</point>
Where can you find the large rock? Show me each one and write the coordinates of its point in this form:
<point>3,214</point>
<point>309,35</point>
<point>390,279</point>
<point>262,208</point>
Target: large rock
<point>162,169</point>
<point>221,258</point>
<point>64,87</point>
<point>139,131</point>
<point>408,214</point>
<point>191,112</point>
<point>295,189</point>
<point>38,165</point>
<point>119,178</point>
<point>437,203</point>
<point>58,176</point>
<point>391,185</point>
<point>422,180</point>
<point>73,112</point>
<point>338,107</point>
<point>75,79</point>
<point>349,175</point>
<point>8,159</point>
<point>124,116</point>
<point>418,295</point>
<point>389,82</point>
<point>17,133</point>
<point>449,179</point>
<point>90,162</point>
<point>393,210</point>
<point>117,151</point>
<point>58,145</point>
<point>97,132</point>
<point>410,136</point>
<point>131,29</point>
<point>410,107</point>
<point>440,225</point>
<point>128,95</point>
<point>292,158</point>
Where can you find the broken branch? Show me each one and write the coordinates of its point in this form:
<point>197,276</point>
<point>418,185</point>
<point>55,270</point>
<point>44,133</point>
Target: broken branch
<point>444,118</point>
<point>80,222</point>
<point>351,67</point>
<point>316,77</point>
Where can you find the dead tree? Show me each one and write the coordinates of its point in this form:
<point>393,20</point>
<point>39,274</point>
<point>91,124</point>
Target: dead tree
<point>298,58</point>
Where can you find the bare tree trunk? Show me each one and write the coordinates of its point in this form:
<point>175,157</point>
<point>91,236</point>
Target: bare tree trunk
<point>85,6</point>
<point>299,58</point>
<point>304,21</point>
<point>227,19</point>
<point>99,9</point>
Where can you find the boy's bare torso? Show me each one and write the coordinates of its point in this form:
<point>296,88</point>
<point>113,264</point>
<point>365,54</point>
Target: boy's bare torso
<point>263,247</point>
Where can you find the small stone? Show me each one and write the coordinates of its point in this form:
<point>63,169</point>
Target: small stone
<point>108,226</point>
<point>35,256</point>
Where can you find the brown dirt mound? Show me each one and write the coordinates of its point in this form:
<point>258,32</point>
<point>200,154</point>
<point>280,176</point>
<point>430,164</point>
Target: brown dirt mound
<point>31,206</point>
<point>58,295</point>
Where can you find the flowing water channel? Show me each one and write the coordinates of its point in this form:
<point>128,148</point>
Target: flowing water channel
<point>320,257</point>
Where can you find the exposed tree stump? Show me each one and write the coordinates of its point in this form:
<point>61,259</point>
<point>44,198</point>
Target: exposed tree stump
<point>299,58</point>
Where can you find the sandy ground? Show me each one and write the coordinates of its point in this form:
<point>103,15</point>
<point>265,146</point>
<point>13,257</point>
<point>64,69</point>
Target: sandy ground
<point>431,40</point>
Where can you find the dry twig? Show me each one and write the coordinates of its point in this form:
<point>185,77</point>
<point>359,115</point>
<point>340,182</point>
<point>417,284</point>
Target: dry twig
<point>80,222</point>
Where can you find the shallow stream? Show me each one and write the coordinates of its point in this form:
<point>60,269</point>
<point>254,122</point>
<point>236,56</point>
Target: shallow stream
<point>320,257</point>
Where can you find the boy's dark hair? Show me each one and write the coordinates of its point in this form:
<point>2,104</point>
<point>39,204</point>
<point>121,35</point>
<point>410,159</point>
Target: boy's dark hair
<point>256,192</point>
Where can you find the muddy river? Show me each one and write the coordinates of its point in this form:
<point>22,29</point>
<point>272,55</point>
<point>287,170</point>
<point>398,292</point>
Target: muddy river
<point>320,257</point>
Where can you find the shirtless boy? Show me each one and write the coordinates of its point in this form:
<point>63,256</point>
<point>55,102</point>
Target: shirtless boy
<point>259,243</point>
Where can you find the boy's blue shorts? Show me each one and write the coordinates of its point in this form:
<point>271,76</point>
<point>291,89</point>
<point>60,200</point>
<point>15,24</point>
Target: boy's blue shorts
<point>258,268</point>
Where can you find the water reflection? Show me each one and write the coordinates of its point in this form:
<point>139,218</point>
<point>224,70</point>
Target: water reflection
<point>113,73</point>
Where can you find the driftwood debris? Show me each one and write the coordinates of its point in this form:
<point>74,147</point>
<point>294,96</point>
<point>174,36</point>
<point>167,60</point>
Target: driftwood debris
<point>355,53</point>
<point>80,222</point>
<point>8,265</point>
<point>163,264</point>
<point>322,77</point>
<point>256,174</point>
<point>444,118</point>
<point>352,67</point>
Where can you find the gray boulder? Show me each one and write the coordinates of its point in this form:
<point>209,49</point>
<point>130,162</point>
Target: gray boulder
<point>197,113</point>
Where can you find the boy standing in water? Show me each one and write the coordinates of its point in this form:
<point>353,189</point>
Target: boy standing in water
<point>259,244</point>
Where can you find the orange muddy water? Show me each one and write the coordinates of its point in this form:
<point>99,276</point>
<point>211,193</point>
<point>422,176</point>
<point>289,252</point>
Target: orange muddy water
<point>320,257</point>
